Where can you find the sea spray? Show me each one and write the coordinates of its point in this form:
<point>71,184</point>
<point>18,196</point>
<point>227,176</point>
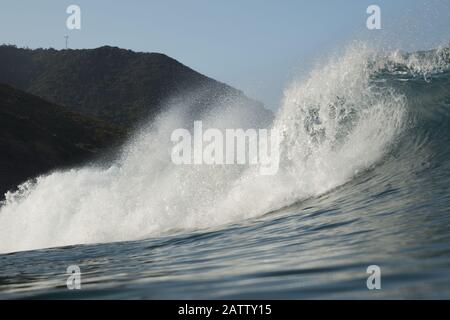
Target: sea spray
<point>333,124</point>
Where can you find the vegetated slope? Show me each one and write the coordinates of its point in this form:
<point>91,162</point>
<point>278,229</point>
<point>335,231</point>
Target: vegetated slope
<point>116,85</point>
<point>37,136</point>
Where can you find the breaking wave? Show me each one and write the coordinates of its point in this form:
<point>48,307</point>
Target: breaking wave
<point>353,112</point>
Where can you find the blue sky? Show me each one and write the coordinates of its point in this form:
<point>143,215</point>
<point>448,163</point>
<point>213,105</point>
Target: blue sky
<point>256,46</point>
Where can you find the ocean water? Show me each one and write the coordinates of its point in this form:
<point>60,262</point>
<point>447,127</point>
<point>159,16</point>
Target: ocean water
<point>364,180</point>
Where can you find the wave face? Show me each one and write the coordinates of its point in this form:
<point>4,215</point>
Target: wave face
<point>360,110</point>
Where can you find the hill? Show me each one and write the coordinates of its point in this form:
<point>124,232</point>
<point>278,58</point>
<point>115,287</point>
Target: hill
<point>71,106</point>
<point>37,136</point>
<point>116,85</point>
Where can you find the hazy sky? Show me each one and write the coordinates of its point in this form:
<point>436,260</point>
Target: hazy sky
<point>254,45</point>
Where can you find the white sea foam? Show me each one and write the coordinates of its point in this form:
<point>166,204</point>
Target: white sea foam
<point>333,124</point>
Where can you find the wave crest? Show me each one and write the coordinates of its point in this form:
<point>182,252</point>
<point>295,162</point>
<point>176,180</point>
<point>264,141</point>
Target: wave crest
<point>335,124</point>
